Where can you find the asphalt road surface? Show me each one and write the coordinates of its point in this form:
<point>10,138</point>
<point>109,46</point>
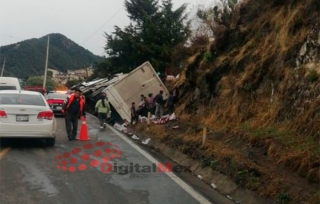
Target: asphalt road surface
<point>108,168</point>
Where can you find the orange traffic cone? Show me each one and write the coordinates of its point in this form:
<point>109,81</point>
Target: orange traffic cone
<point>83,131</point>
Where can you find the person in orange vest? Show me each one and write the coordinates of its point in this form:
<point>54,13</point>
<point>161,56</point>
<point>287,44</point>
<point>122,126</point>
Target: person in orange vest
<point>73,109</point>
<point>83,97</point>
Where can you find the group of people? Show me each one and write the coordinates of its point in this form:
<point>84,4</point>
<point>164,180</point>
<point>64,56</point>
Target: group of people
<point>74,108</point>
<point>154,105</point>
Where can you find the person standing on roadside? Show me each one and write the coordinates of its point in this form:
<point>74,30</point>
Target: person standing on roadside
<point>134,115</point>
<point>152,104</point>
<point>175,95</point>
<point>170,103</point>
<point>73,109</point>
<point>102,108</point>
<point>83,97</point>
<point>159,105</point>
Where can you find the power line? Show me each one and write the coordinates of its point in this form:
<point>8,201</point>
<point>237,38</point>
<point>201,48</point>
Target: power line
<point>103,25</point>
<point>10,36</point>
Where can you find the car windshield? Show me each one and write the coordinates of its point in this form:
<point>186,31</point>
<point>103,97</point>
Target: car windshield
<point>8,88</point>
<point>57,96</point>
<point>21,99</point>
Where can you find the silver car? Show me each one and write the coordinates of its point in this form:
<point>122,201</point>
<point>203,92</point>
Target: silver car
<point>26,114</point>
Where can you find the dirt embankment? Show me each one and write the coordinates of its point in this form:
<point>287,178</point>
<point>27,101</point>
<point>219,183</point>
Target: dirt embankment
<point>257,89</point>
<point>230,162</point>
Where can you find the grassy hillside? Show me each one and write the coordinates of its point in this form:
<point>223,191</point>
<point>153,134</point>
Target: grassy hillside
<point>28,57</point>
<point>260,98</point>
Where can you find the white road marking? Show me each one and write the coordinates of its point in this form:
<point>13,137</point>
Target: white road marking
<point>171,175</point>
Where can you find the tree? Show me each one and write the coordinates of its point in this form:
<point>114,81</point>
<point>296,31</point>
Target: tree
<point>140,10</point>
<point>220,18</point>
<point>38,81</point>
<point>177,33</point>
<point>153,33</point>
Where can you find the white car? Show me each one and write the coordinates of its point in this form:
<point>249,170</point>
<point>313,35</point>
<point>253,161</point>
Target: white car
<point>26,114</point>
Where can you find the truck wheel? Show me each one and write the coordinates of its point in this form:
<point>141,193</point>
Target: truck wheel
<point>50,142</point>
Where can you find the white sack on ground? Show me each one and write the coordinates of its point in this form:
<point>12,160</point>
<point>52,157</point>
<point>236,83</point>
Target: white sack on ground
<point>173,117</point>
<point>117,126</point>
<point>146,141</point>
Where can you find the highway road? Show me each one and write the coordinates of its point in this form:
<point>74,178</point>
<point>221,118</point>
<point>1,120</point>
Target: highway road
<point>108,168</point>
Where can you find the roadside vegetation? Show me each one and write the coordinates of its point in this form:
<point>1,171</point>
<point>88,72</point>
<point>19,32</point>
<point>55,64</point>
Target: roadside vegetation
<point>256,64</point>
<point>38,81</point>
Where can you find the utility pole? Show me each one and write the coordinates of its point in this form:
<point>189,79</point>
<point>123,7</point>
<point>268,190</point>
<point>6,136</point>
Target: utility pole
<point>87,70</point>
<point>4,62</point>
<point>46,67</point>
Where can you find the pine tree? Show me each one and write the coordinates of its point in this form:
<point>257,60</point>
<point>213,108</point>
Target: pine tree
<point>153,33</point>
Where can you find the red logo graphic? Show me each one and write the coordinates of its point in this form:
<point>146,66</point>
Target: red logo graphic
<point>102,156</point>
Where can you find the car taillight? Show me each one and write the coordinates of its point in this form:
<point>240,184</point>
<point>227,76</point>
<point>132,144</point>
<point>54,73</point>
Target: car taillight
<point>49,102</point>
<point>48,115</point>
<point>3,114</point>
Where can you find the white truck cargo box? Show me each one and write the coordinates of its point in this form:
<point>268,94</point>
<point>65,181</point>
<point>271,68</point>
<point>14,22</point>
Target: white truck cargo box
<point>142,80</point>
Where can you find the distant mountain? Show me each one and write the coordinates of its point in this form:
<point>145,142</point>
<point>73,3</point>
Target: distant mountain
<point>27,58</point>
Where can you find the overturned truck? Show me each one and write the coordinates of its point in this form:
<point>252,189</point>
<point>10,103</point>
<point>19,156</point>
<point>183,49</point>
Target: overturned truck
<point>124,89</point>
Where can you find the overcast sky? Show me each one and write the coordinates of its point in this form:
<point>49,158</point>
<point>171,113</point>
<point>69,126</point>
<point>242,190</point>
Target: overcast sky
<point>82,21</point>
